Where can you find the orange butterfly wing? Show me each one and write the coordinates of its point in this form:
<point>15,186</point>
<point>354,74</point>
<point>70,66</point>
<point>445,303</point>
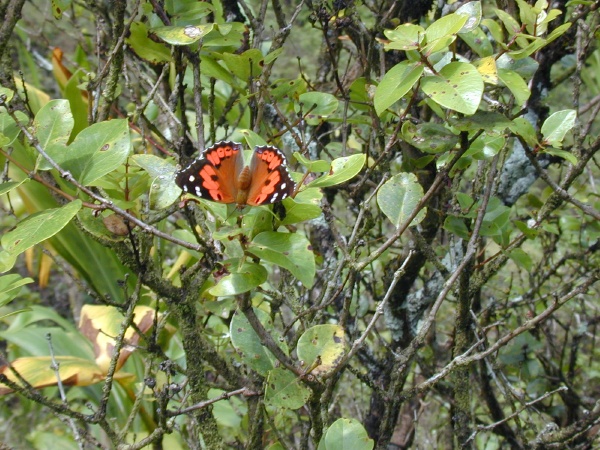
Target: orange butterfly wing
<point>271,182</point>
<point>214,175</point>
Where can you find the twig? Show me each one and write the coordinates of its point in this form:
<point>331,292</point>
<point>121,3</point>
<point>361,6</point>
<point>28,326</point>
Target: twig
<point>491,426</point>
<point>61,389</point>
<point>224,396</point>
<point>358,343</point>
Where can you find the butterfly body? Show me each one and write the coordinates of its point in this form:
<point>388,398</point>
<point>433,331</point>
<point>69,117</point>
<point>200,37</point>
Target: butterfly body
<point>220,175</point>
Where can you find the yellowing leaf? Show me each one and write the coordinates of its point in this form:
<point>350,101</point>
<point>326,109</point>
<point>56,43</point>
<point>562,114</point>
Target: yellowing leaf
<point>38,372</point>
<point>487,68</point>
<point>101,324</point>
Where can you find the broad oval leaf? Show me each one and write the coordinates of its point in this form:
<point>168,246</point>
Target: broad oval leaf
<point>52,127</point>
<point>395,83</point>
<point>342,170</point>
<point>472,10</point>
<point>398,198</point>
<point>139,41</point>
<point>248,277</point>
<point>96,151</point>
<point>291,251</point>
<point>9,130</point>
<point>33,230</point>
<point>283,389</point>
<point>37,371</point>
<point>305,206</point>
<point>163,192</point>
<point>317,103</point>
<point>245,66</point>
<point>347,434</point>
<point>10,287</point>
<point>557,126</point>
<point>445,26</point>
<point>10,185</point>
<point>248,345</point>
<point>183,35</point>
<point>405,37</point>
<point>459,86</point>
<point>429,137</point>
<point>101,324</point>
<point>321,347</point>
<point>515,84</point>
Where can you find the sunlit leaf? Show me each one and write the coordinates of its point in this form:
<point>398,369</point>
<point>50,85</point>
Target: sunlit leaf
<point>33,230</point>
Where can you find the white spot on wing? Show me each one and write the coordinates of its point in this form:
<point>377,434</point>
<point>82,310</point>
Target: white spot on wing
<point>191,178</point>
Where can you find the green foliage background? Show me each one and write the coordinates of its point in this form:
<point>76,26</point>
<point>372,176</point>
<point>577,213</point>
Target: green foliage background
<point>431,284</point>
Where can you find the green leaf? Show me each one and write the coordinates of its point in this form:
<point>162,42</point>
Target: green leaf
<point>96,151</point>
<point>312,166</point>
<point>9,130</point>
<point>557,126</point>
<point>10,287</point>
<point>479,43</point>
<point>283,389</point>
<point>78,104</point>
<point>305,206</point>
<point>525,67</point>
<point>8,94</point>
<point>429,137</point>
<point>10,185</point>
<point>245,66</point>
<point>482,120</point>
<point>472,10</point>
<point>163,191</point>
<point>316,104</point>
<point>321,347</point>
<point>398,198</point>
<point>459,86</point>
<point>457,226</point>
<point>517,86</point>
<point>524,128</point>
<point>147,49</point>
<point>33,230</point>
<point>59,6</point>
<point>405,37</point>
<point>183,35</point>
<point>342,170</point>
<point>243,279</point>
<point>347,434</point>
<point>445,26</point>
<point>521,258</point>
<point>248,345</point>
<point>52,126</point>
<point>562,154</point>
<point>524,228</point>
<point>511,25</point>
<point>395,83</point>
<point>291,251</point>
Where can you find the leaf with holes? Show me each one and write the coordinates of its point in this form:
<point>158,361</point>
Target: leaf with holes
<point>283,389</point>
<point>321,347</point>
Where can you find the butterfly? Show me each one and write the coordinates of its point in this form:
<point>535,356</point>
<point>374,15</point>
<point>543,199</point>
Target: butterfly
<point>220,175</point>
